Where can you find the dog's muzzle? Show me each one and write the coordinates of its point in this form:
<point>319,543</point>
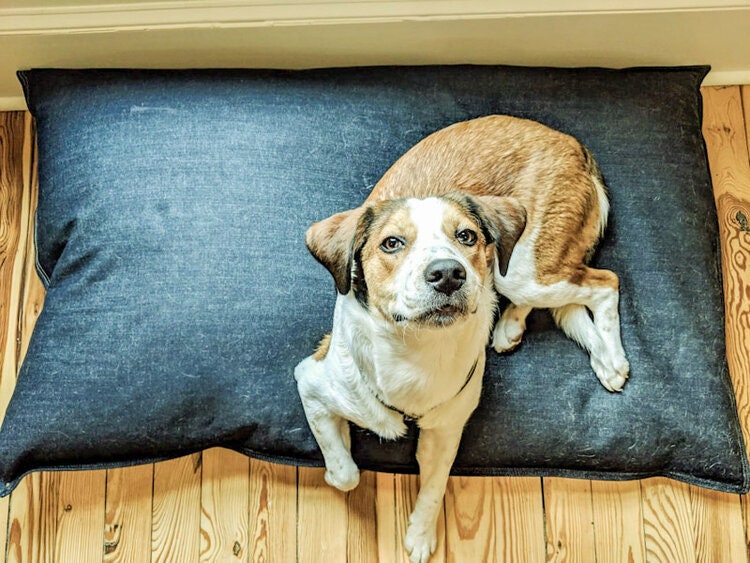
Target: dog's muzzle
<point>444,302</point>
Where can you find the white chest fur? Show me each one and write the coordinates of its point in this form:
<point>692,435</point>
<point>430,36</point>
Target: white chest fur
<point>412,370</point>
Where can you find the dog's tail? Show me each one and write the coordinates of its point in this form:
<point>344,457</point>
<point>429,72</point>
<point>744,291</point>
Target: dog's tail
<point>592,168</point>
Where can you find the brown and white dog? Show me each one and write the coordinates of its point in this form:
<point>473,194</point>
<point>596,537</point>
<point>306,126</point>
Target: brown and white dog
<point>492,205</point>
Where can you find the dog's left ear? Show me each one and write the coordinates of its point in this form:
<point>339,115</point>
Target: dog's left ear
<point>504,219</point>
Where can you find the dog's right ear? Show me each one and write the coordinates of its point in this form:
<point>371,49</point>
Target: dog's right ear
<point>334,242</point>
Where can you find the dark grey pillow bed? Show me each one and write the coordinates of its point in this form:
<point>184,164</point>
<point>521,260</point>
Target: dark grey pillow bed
<point>180,295</point>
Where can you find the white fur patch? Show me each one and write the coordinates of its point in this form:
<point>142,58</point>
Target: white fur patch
<point>414,295</point>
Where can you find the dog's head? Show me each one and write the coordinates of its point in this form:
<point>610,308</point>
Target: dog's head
<point>421,261</point>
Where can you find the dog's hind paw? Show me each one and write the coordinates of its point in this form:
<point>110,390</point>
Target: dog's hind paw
<point>507,335</point>
<point>391,427</point>
<point>612,375</point>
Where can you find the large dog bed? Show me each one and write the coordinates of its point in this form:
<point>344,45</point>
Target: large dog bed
<point>180,295</point>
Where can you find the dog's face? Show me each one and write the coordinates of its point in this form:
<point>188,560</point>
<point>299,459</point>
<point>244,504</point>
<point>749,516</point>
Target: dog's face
<point>423,261</point>
<point>418,261</point>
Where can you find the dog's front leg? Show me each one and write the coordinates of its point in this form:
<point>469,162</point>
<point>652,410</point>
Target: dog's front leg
<point>332,434</point>
<point>436,452</point>
<point>330,429</point>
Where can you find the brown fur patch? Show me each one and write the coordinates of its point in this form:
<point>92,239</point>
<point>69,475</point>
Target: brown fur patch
<point>457,219</point>
<point>507,219</point>
<point>570,222</point>
<point>330,240</point>
<point>323,346</point>
<point>548,172</point>
<point>548,175</point>
<point>390,220</point>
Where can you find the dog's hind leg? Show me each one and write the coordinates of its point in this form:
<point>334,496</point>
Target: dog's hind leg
<point>604,306</point>
<point>599,291</point>
<point>575,322</point>
<point>510,328</point>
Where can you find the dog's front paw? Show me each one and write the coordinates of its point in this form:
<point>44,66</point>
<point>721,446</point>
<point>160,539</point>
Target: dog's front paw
<point>420,542</point>
<point>343,475</point>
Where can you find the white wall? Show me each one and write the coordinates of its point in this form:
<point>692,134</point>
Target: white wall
<point>305,33</point>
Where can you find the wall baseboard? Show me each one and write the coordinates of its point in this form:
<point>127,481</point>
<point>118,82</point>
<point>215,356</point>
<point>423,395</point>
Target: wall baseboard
<point>727,77</point>
<point>306,33</point>
<point>86,16</point>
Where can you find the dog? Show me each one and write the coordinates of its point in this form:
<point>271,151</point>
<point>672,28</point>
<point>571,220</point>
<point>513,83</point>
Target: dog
<point>494,205</point>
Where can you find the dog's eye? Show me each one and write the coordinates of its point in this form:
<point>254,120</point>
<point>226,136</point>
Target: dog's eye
<point>392,244</point>
<point>467,237</point>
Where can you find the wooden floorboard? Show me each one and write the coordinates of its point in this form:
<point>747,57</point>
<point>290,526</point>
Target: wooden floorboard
<point>322,522</point>
<point>12,137</point>
<point>175,524</point>
<point>570,520</point>
<point>272,512</point>
<point>618,521</point>
<point>519,523</point>
<point>725,128</point>
<point>470,519</point>
<point>668,523</point>
<point>727,144</point>
<point>222,506</point>
<point>77,516</point>
<point>128,506</point>
<point>362,519</point>
<point>225,491</point>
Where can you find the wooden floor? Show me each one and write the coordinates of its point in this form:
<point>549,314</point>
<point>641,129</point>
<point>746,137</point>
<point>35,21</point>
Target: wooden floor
<point>221,506</point>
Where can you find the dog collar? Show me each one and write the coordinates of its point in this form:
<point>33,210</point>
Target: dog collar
<point>408,416</point>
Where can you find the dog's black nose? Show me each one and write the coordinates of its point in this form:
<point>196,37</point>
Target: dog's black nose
<point>446,275</point>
